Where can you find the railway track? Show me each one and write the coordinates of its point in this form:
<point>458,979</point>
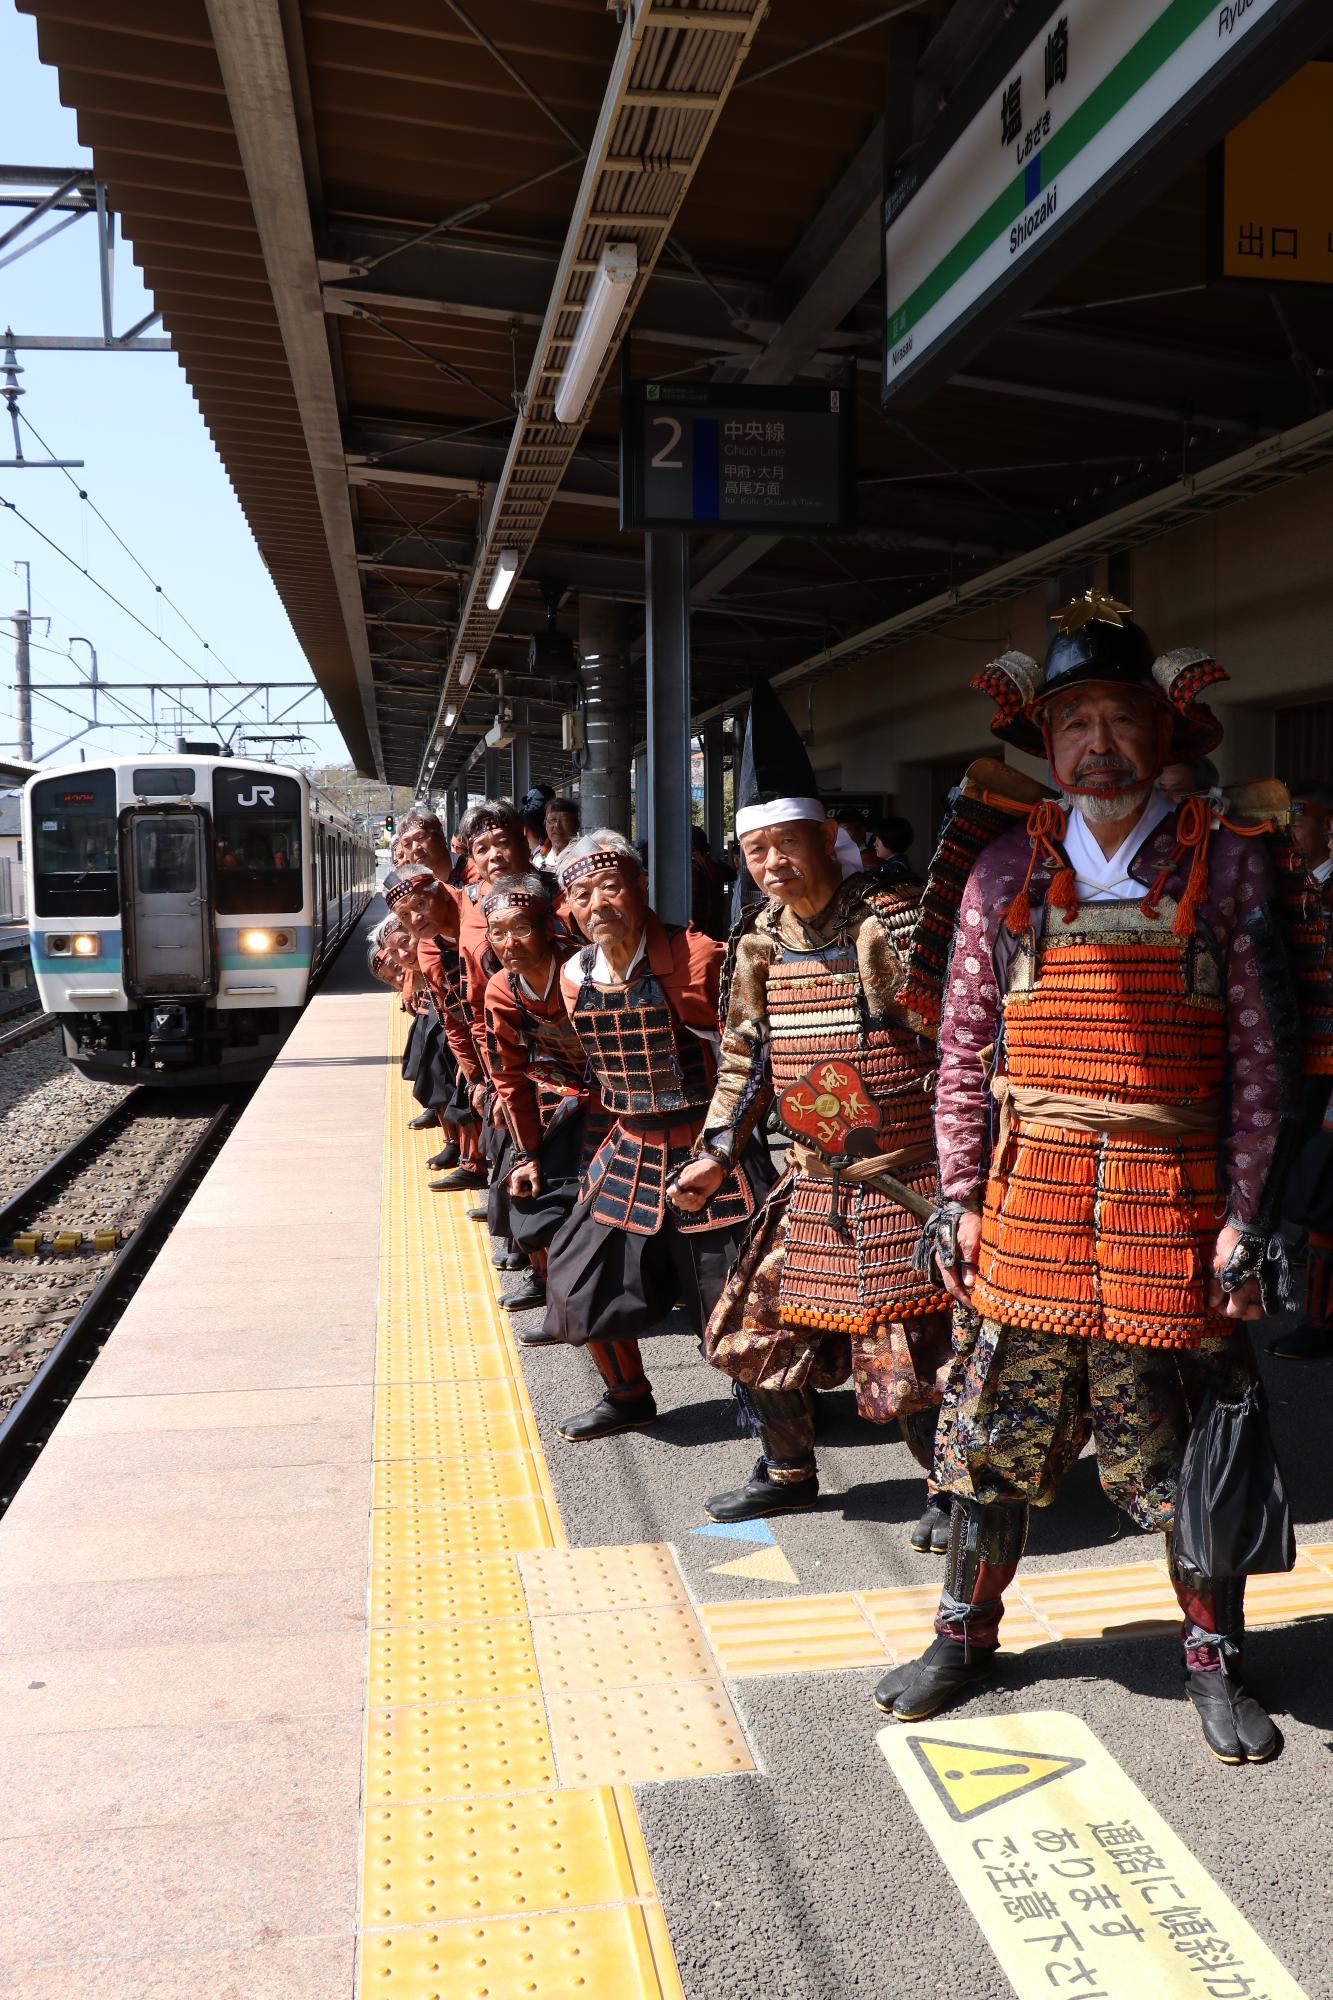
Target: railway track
<point>76,1240</point>
<point>30,1023</point>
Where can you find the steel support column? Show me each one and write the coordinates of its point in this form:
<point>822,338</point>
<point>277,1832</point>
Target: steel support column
<point>607,714</point>
<point>522,751</point>
<point>713,772</point>
<point>666,822</point>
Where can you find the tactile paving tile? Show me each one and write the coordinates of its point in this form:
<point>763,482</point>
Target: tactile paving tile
<point>904,1620</point>
<point>450,1435</point>
<point>420,1663</point>
<point>791,1635</point>
<point>485,1528</point>
<point>608,1579</point>
<point>460,1403</point>
<point>446,1592</point>
<point>440,1361</point>
<point>458,1750</point>
<point>621,1953</point>
<point>445,1482</point>
<point>1093,1603</point>
<point>638,1735</point>
<point>609,1649</point>
<point>1305,1592</point>
<point>470,1858</point>
<point>1320,1553</point>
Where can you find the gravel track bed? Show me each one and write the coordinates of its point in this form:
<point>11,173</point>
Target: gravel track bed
<point>39,1295</point>
<point>44,1107</point>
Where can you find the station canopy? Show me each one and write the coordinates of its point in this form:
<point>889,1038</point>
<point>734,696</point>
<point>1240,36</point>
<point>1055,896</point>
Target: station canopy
<point>371,231</point>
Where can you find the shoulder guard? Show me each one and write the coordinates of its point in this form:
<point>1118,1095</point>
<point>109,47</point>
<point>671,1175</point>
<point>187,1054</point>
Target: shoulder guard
<point>992,798</point>
<point>745,923</point>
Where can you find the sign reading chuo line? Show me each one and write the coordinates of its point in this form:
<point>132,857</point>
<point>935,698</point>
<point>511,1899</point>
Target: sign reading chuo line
<point>1105,97</point>
<point>700,455</point>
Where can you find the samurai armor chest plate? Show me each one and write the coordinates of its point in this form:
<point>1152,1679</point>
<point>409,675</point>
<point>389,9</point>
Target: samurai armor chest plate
<point>848,1251</point>
<point>555,1054</point>
<point>645,1063</point>
<point>452,994</point>
<point>1108,1233</point>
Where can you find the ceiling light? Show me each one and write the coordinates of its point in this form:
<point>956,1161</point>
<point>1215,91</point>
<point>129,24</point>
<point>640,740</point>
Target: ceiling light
<point>617,268</point>
<point>502,582</point>
<point>468,668</point>
<point>450,716</point>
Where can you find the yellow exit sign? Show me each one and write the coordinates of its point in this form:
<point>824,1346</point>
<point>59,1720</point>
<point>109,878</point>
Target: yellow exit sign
<point>1272,207</point>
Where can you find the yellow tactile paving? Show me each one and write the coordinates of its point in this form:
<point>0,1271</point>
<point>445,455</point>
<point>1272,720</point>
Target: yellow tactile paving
<point>448,1482</point>
<point>609,1579</point>
<point>1096,1603</point>
<point>485,1873</point>
<point>1307,1592</point>
<point>458,1750</point>
<point>621,1953</point>
<point>632,1735</point>
<point>446,1592</point>
<point>497,1857</point>
<point>607,1649</point>
<point>787,1634</point>
<point>489,1658</point>
<point>484,1528</point>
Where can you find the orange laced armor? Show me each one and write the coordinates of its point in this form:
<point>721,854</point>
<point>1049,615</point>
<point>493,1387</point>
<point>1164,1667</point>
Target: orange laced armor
<point>1109,1232</point>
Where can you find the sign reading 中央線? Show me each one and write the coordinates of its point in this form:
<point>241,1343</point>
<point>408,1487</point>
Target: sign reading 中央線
<point>1079,1884</point>
<point>701,455</point>
<point>1041,156</point>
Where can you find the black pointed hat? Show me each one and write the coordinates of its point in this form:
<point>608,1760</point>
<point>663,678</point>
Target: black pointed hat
<point>774,762</point>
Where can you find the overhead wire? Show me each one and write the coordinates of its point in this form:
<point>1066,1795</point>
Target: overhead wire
<point>116,536</point>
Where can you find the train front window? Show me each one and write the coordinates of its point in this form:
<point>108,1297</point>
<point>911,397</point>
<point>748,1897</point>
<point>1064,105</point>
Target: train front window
<point>256,843</point>
<point>74,846</point>
<point>165,856</point>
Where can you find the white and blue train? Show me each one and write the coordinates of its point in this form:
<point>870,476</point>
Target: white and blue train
<point>179,908</point>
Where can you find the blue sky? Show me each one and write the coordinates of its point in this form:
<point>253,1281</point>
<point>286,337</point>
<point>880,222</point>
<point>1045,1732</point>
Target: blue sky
<point>149,465</point>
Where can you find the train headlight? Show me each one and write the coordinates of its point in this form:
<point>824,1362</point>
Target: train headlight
<point>86,944</point>
<point>259,942</point>
<point>57,944</point>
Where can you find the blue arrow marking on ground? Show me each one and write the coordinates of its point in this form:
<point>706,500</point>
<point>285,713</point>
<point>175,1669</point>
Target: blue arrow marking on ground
<point>736,1531</point>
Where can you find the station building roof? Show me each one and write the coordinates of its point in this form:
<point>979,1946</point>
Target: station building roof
<point>370,231</point>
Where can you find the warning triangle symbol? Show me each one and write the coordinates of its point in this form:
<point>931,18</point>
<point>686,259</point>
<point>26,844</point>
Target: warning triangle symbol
<point>970,1778</point>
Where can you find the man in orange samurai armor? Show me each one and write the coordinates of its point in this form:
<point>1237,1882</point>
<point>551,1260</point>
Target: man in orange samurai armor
<point>825,1287</point>
<point>1119,1063</point>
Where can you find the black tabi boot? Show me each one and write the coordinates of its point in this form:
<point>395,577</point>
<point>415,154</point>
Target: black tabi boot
<point>420,1123</point>
<point>985,1543</point>
<point>628,1403</point>
<point>441,1162</point>
<point>764,1492</point>
<point>1236,1727</point>
<point>930,1536</point>
<point>461,1178</point>
<point>529,1295</point>
<point>507,1258</point>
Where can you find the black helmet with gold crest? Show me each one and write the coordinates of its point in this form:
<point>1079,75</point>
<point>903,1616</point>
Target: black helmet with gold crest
<point>1096,639</point>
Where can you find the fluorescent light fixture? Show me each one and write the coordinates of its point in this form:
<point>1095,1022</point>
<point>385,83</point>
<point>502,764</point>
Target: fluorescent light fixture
<point>450,716</point>
<point>617,268</point>
<point>468,668</point>
<point>502,582</point>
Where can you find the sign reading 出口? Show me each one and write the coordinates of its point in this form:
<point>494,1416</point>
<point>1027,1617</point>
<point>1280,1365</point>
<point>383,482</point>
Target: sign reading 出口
<point>1097,94</point>
<point>1077,1881</point>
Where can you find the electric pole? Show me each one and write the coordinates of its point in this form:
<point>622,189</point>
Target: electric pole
<point>23,683</point>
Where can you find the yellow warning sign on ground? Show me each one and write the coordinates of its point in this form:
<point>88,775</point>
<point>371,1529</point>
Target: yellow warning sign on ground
<point>1077,1881</point>
<point>971,1780</point>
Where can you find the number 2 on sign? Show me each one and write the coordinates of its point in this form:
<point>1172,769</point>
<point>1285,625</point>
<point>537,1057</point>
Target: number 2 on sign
<point>660,456</point>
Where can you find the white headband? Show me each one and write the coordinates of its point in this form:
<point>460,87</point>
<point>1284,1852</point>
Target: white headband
<point>776,813</point>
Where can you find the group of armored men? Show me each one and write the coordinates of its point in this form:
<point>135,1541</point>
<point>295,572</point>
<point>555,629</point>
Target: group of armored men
<point>1035,1121</point>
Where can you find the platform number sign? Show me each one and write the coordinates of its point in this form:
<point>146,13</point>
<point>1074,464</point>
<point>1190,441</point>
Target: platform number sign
<point>711,456</point>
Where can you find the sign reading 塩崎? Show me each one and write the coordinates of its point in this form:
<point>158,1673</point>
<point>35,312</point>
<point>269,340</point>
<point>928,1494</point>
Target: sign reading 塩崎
<point>1070,130</point>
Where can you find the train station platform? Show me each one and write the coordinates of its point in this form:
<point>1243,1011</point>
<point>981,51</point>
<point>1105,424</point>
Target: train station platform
<point>326,1666</point>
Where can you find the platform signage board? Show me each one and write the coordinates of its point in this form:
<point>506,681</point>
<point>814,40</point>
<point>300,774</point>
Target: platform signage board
<point>1099,102</point>
<point>1270,206</point>
<point>716,456</point>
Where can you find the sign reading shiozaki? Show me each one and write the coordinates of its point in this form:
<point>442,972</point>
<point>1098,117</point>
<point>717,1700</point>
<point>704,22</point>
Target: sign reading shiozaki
<point>1077,110</point>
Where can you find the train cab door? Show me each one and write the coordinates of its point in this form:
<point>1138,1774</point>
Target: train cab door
<point>169,946</point>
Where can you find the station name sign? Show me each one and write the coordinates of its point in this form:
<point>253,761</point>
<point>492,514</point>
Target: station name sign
<point>710,456</point>
<point>1064,137</point>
